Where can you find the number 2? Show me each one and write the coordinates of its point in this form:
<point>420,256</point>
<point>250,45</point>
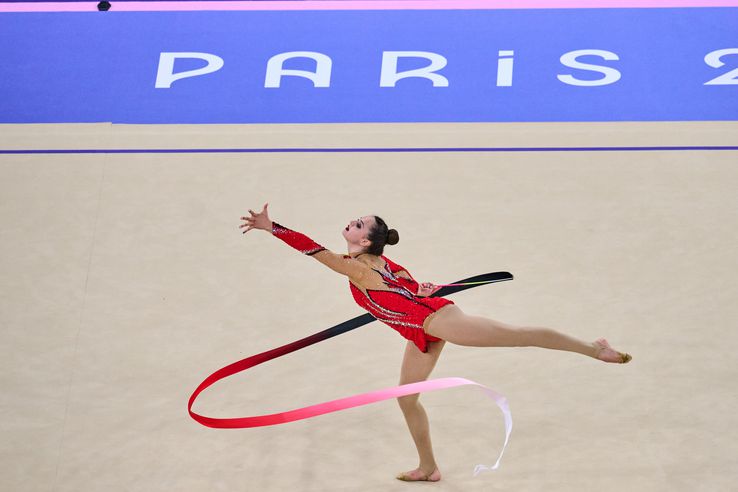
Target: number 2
<point>713,59</point>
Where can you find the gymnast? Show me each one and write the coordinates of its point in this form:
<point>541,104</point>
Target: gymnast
<point>391,295</point>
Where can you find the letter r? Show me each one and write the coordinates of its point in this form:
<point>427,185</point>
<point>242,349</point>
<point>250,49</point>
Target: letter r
<point>390,76</point>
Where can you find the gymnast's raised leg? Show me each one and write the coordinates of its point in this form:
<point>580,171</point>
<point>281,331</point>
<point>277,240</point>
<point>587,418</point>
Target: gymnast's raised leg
<point>416,367</point>
<point>453,325</point>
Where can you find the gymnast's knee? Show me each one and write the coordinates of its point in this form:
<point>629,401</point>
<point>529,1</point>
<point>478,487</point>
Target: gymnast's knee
<point>516,336</point>
<point>408,402</point>
<point>527,335</point>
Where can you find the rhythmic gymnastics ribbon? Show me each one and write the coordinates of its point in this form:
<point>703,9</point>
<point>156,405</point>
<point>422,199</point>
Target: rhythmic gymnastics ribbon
<point>356,400</point>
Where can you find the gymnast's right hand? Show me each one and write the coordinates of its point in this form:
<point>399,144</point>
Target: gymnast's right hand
<point>257,221</point>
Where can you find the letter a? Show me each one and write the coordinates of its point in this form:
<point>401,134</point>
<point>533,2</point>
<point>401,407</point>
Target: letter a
<point>321,77</point>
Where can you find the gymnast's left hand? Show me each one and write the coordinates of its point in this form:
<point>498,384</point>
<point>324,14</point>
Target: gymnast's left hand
<point>257,221</point>
<point>426,288</point>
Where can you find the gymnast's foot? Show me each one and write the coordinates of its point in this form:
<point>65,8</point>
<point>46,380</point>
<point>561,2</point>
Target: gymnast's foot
<point>607,354</point>
<point>418,475</point>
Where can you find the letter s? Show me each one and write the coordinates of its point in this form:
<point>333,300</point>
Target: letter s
<point>570,60</point>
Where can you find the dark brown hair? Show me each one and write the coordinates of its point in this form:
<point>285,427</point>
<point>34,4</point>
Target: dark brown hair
<point>380,236</point>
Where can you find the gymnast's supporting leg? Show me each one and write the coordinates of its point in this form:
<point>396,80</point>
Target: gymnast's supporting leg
<point>452,325</point>
<point>416,367</point>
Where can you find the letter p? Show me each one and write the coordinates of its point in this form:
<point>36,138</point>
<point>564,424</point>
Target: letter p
<point>165,76</point>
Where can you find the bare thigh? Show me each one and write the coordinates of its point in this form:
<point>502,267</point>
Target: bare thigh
<point>453,325</point>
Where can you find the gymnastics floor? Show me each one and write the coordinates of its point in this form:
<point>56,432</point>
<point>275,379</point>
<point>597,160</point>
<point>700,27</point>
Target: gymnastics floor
<point>126,282</point>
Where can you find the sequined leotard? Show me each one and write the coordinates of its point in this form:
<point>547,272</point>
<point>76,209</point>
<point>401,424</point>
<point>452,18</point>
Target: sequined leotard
<point>387,291</point>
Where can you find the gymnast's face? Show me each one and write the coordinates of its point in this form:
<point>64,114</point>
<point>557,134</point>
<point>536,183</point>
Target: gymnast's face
<point>358,229</point>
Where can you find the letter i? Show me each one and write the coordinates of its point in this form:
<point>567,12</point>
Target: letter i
<point>505,68</point>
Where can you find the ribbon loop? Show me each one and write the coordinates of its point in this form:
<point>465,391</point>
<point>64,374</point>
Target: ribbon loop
<point>356,400</point>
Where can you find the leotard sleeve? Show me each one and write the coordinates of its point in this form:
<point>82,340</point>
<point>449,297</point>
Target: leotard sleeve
<point>403,276</point>
<point>344,265</point>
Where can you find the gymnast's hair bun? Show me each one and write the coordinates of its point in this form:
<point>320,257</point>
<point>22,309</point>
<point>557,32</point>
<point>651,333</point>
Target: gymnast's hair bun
<point>392,237</point>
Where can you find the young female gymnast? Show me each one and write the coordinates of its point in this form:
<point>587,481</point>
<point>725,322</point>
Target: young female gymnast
<point>391,295</point>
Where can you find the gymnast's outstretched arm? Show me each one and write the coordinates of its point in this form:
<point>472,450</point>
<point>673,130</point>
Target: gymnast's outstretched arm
<point>344,265</point>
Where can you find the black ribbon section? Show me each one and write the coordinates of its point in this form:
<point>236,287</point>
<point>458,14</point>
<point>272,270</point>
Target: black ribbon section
<point>364,319</point>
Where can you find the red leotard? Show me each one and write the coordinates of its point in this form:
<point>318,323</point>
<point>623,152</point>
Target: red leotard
<point>388,292</point>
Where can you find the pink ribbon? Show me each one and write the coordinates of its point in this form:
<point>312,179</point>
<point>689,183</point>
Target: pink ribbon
<point>356,400</point>
<point>348,402</point>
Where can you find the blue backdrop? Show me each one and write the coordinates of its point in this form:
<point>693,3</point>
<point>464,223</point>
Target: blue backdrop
<point>92,67</point>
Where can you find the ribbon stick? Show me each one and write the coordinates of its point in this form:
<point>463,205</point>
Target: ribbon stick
<point>356,400</point>
<point>473,283</point>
